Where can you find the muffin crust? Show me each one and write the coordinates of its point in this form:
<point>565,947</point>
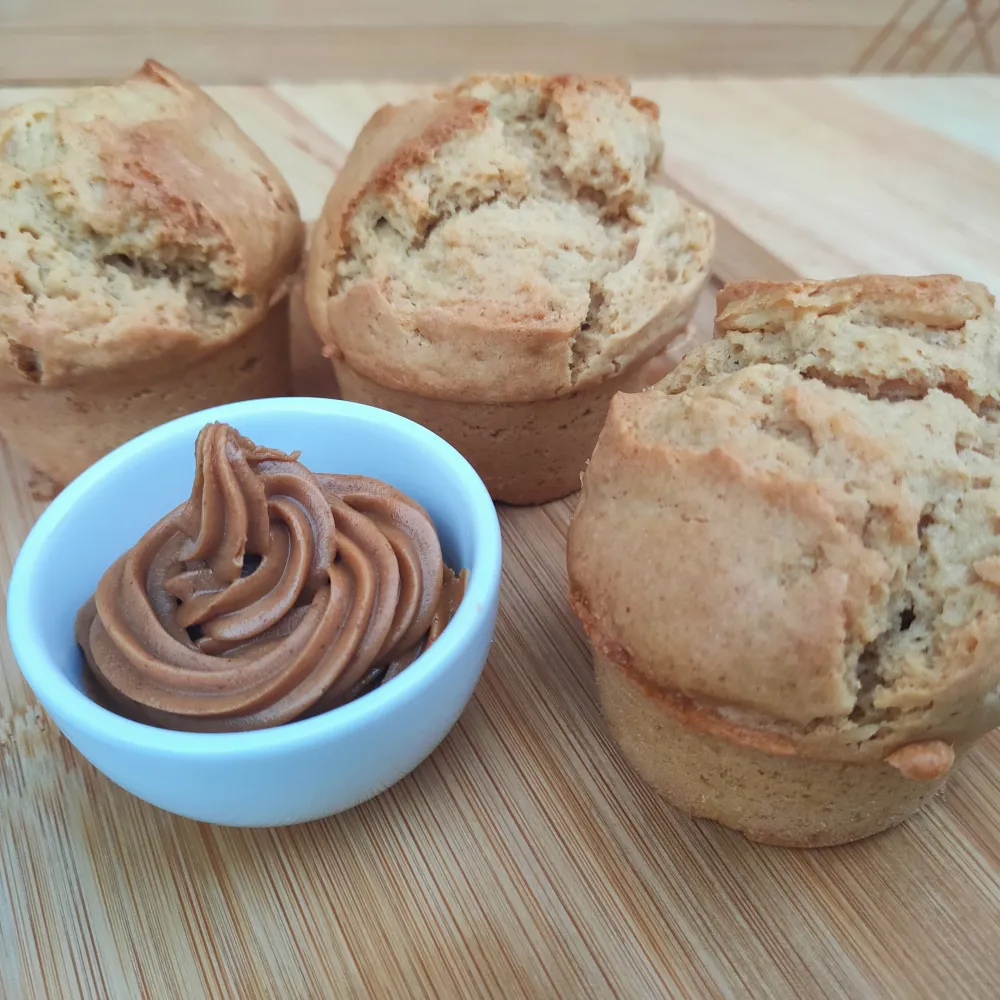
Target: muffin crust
<point>138,226</point>
<point>505,242</point>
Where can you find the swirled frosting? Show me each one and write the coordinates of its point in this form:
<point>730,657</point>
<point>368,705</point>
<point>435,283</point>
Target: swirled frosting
<point>272,593</point>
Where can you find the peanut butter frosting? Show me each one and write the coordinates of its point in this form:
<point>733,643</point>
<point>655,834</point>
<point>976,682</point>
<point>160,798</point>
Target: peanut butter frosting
<point>271,594</point>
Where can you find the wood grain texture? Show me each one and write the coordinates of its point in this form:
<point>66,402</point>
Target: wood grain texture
<point>258,40</point>
<point>524,858</point>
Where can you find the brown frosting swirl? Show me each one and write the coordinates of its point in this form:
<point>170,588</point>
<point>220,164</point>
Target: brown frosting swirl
<point>270,594</point>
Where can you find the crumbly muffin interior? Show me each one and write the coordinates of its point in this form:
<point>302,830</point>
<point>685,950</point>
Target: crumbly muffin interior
<point>552,209</point>
<point>95,241</point>
<point>885,394</point>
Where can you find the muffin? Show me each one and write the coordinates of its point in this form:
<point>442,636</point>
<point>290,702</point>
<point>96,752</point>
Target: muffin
<point>146,247</point>
<point>498,261</point>
<point>787,556</point>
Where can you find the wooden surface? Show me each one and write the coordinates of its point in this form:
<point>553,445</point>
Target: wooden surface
<point>259,40</point>
<point>524,859</point>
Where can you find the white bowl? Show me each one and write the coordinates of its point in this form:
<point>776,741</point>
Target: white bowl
<point>302,770</point>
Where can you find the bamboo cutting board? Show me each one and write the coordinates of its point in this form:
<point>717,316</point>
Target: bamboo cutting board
<point>524,858</point>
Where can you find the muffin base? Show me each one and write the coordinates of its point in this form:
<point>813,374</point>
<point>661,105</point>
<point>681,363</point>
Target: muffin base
<point>525,453</point>
<point>787,801</point>
<point>63,430</point>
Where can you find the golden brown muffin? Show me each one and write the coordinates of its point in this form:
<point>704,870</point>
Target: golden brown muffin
<point>496,262</point>
<point>146,246</point>
<point>787,556</point>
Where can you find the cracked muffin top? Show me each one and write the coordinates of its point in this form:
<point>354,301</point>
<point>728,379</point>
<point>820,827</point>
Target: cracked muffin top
<point>798,529</point>
<point>137,222</point>
<point>506,240</point>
